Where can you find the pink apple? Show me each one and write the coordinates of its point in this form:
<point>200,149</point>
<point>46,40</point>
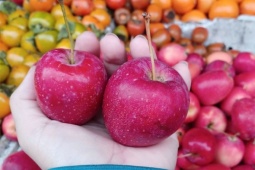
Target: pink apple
<point>235,94</point>
<point>194,107</point>
<point>8,127</point>
<point>219,55</point>
<point>243,116</point>
<point>140,111</point>
<point>229,149</point>
<point>220,65</point>
<point>215,166</point>
<point>200,144</point>
<point>196,64</point>
<point>211,118</point>
<point>172,53</point>
<point>212,87</point>
<point>70,92</point>
<point>19,160</point>
<point>246,80</point>
<point>244,62</point>
<point>249,155</point>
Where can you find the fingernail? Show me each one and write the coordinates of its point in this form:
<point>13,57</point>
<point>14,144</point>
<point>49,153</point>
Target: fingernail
<point>141,36</point>
<point>184,62</point>
<point>112,34</point>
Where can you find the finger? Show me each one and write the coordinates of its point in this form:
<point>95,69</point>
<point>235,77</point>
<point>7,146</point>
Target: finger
<point>112,49</point>
<point>139,47</point>
<point>26,113</point>
<point>183,70</point>
<point>87,41</point>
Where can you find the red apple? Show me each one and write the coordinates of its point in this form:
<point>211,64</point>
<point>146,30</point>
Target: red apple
<point>8,127</point>
<point>18,2</point>
<point>200,144</point>
<point>211,118</point>
<point>246,80</point>
<point>235,94</point>
<point>229,149</point>
<point>243,116</point>
<point>220,65</point>
<point>70,92</point>
<point>196,64</point>
<point>184,163</point>
<point>172,53</point>
<point>19,160</point>
<point>212,87</point>
<point>249,155</point>
<point>140,111</point>
<point>215,166</point>
<point>244,62</point>
<point>243,167</point>
<point>194,107</point>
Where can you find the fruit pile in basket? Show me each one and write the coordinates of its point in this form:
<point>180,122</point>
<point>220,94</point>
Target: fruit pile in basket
<point>220,118</point>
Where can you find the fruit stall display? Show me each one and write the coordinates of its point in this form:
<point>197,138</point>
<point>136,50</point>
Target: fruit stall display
<point>215,37</point>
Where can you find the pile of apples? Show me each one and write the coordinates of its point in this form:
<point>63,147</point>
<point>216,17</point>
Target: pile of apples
<point>218,132</point>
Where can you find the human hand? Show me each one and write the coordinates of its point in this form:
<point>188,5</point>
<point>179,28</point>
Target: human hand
<point>52,144</point>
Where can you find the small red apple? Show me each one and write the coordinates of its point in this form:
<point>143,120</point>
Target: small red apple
<point>212,87</point>
<point>244,62</point>
<point>172,53</point>
<point>8,127</point>
<point>220,65</point>
<point>243,116</point>
<point>249,155</point>
<point>70,91</point>
<point>194,107</point>
<point>200,144</point>
<point>19,160</point>
<point>140,111</point>
<point>184,163</point>
<point>229,149</point>
<point>235,94</point>
<point>196,64</point>
<point>211,118</point>
<point>246,80</point>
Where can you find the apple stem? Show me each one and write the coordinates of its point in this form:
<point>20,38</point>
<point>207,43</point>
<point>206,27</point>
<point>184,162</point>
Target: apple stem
<point>71,57</point>
<point>185,155</point>
<point>148,34</point>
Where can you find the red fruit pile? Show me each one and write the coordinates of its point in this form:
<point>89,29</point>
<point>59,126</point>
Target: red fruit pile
<point>219,132</point>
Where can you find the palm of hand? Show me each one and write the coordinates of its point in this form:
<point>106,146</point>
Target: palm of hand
<point>91,144</point>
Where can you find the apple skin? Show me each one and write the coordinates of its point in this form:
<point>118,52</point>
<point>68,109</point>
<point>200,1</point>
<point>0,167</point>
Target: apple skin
<point>172,53</point>
<point>229,149</point>
<point>8,127</point>
<point>139,111</point>
<point>249,154</point>
<point>246,80</point>
<point>18,2</point>
<point>184,163</point>
<point>243,118</point>
<point>215,166</point>
<point>244,62</point>
<point>236,93</point>
<point>243,167</point>
<point>211,118</point>
<point>19,160</point>
<point>70,93</point>
<point>194,107</point>
<point>196,64</point>
<point>212,87</point>
<point>220,65</point>
<point>200,143</point>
